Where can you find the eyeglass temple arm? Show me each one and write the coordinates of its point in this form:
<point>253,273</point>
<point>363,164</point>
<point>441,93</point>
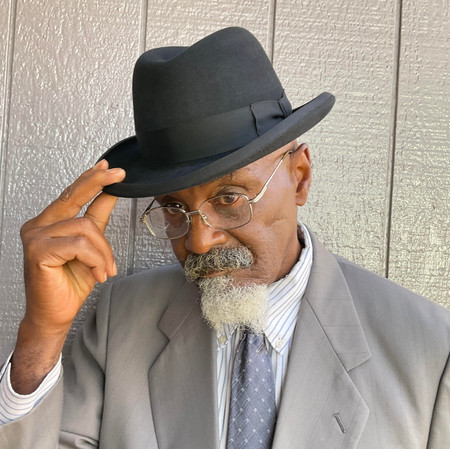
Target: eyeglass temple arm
<point>263,190</point>
<point>146,210</point>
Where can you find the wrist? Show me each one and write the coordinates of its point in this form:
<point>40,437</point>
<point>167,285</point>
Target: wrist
<point>42,330</point>
<point>37,351</point>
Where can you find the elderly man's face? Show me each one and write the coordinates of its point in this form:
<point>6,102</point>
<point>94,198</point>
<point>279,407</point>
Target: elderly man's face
<point>271,235</point>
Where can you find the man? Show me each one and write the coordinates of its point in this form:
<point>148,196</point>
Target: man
<point>340,357</point>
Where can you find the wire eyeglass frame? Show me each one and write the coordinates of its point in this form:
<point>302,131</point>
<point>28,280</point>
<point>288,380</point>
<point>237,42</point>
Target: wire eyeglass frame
<point>188,214</point>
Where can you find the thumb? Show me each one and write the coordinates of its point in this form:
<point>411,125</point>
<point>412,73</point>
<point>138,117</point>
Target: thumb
<point>100,210</point>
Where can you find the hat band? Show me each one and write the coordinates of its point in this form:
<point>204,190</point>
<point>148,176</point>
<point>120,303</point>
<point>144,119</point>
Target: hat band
<point>212,135</point>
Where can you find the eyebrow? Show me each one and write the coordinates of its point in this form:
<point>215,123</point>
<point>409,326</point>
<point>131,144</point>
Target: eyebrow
<point>228,177</point>
<point>238,180</point>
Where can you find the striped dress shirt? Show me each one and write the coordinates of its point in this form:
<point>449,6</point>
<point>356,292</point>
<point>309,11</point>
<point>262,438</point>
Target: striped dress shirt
<point>284,303</point>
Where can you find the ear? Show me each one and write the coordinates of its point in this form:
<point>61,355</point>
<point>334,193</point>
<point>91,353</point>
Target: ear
<point>301,167</point>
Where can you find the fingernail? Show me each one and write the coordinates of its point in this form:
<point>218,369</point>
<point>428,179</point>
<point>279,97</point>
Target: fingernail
<point>101,164</point>
<point>115,171</point>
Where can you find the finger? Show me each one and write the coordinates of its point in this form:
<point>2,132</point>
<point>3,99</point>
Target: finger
<point>99,211</point>
<point>76,227</point>
<point>56,252</point>
<point>83,190</point>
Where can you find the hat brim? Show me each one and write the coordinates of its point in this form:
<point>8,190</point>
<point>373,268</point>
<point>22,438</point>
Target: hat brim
<point>144,181</point>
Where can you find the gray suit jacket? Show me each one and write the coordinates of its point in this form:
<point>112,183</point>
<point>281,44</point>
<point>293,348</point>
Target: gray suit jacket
<point>368,369</point>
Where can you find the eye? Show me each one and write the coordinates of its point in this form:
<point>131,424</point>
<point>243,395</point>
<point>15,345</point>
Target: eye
<point>227,200</point>
<point>173,208</point>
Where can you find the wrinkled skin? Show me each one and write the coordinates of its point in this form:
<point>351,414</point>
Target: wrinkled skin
<point>272,233</point>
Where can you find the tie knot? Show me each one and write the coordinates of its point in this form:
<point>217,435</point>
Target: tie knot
<point>253,339</point>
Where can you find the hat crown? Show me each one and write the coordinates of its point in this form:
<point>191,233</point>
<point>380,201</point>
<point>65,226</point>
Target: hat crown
<point>204,111</point>
<point>224,71</point>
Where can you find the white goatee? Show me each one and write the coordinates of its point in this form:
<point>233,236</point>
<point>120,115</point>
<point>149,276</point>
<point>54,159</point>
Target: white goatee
<point>223,301</point>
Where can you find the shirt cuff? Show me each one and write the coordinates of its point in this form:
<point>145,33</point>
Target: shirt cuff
<point>13,405</point>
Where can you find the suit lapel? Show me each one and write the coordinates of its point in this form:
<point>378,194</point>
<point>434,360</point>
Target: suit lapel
<point>182,380</point>
<point>320,405</point>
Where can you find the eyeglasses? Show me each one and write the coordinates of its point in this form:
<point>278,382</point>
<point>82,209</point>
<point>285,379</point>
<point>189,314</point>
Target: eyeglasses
<point>222,212</point>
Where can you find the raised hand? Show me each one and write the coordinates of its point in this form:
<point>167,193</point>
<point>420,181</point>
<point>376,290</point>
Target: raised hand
<point>64,256</point>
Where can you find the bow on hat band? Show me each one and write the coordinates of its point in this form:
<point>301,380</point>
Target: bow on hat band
<point>212,135</point>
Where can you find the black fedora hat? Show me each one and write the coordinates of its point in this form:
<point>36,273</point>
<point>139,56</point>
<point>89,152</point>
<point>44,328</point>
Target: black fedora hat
<point>204,111</point>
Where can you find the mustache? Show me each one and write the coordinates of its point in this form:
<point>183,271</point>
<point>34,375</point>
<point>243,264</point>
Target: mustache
<point>217,259</point>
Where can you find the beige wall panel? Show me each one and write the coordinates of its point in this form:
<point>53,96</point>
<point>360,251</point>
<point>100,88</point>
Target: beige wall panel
<point>420,241</point>
<point>70,101</point>
<point>183,23</point>
<point>346,48</point>
<point>5,32</point>
<point>9,312</point>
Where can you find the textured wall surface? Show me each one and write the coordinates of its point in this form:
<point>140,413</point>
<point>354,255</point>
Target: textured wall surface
<point>420,238</point>
<point>346,48</point>
<point>381,159</point>
<point>4,40</point>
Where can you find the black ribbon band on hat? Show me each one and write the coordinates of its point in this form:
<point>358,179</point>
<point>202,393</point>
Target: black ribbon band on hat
<point>213,135</point>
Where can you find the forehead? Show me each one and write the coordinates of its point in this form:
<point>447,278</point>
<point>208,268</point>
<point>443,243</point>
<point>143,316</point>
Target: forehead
<point>254,170</point>
<point>248,177</point>
<point>243,174</point>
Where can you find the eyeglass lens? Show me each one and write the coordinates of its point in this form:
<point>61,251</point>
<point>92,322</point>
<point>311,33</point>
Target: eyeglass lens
<point>220,212</point>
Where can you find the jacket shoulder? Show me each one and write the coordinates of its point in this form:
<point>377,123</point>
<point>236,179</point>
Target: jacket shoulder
<point>166,277</point>
<point>145,295</point>
<point>384,303</point>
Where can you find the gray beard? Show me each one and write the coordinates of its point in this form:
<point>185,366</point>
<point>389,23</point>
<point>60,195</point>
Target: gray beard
<point>223,302</point>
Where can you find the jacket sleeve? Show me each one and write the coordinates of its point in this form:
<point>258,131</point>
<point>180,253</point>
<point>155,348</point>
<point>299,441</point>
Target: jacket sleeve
<point>38,429</point>
<point>62,418</point>
<point>84,381</point>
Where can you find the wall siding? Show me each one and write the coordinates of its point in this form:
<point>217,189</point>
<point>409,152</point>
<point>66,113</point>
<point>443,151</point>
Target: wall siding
<point>70,101</point>
<point>420,241</point>
<point>346,48</point>
<point>381,160</point>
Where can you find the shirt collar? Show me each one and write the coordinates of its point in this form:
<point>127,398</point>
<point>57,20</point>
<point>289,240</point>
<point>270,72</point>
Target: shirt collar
<point>285,296</point>
<point>284,302</point>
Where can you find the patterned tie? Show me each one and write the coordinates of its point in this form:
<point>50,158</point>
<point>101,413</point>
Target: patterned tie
<point>252,418</point>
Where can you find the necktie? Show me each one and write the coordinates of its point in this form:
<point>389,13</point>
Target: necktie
<point>252,418</point>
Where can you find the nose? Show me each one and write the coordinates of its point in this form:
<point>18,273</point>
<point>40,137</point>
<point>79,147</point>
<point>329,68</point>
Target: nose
<point>201,237</point>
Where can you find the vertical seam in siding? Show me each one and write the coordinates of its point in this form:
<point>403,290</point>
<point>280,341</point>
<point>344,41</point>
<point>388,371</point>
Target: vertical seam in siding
<point>271,33</point>
<point>393,135</point>
<point>7,82</point>
<point>143,26</point>
<point>131,255</point>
